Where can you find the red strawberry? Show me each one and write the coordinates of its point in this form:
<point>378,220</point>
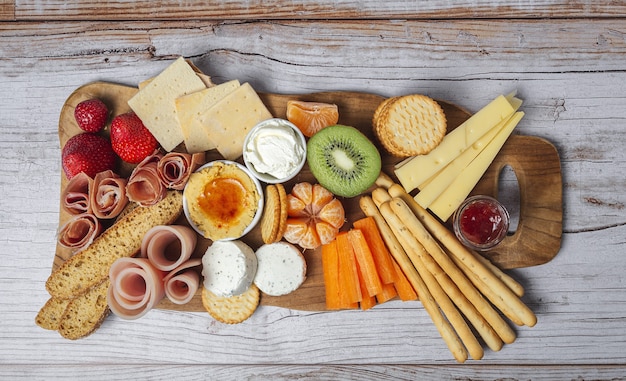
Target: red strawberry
<point>91,115</point>
<point>131,140</point>
<point>89,153</point>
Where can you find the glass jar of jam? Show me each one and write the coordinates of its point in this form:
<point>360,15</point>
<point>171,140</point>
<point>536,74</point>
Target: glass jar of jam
<point>481,222</point>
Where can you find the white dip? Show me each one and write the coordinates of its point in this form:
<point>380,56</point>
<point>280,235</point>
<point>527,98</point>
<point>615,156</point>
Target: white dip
<point>274,150</point>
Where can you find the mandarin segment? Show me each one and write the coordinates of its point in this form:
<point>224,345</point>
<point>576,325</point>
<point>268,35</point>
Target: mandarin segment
<point>310,117</point>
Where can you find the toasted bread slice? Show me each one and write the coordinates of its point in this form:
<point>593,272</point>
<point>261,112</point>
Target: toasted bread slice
<point>85,313</point>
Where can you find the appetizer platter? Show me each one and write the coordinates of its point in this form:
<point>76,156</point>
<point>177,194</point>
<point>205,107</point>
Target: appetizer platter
<point>534,161</point>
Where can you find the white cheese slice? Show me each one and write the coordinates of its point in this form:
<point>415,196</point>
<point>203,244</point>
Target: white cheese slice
<point>228,268</point>
<point>155,103</point>
<point>229,120</point>
<point>189,107</point>
<point>281,269</point>
<point>462,185</point>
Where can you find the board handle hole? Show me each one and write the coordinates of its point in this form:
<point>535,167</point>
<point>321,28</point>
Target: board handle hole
<point>509,195</point>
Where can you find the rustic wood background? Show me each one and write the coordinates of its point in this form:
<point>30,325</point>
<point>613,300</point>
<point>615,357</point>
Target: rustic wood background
<point>567,60</point>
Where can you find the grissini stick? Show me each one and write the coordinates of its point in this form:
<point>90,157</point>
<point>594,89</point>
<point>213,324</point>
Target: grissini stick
<point>454,330</point>
<point>482,287</point>
<point>396,190</point>
<point>402,210</point>
<point>447,238</point>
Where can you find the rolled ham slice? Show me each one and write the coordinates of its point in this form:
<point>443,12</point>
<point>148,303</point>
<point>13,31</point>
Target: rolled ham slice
<point>108,195</point>
<point>144,186</point>
<point>168,246</point>
<point>182,283</point>
<point>136,287</point>
<point>75,196</point>
<point>79,231</point>
<point>175,168</point>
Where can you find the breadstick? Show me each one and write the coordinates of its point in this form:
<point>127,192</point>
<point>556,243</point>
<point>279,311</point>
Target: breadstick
<point>422,235</point>
<point>380,195</point>
<point>504,294</point>
<point>489,335</point>
<point>431,289</point>
<point>384,180</point>
<point>370,209</point>
<point>482,287</point>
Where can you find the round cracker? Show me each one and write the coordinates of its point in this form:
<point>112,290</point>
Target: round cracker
<point>234,309</point>
<point>270,222</point>
<point>411,125</point>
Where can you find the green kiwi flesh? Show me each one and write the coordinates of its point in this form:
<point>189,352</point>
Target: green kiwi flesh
<point>343,160</point>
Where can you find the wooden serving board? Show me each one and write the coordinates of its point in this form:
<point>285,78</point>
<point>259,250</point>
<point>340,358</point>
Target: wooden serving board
<point>535,162</point>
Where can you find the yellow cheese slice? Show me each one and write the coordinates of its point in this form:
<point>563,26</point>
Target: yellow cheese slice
<point>438,183</point>
<point>230,119</point>
<point>462,185</point>
<point>155,103</point>
<point>189,107</point>
<point>413,172</point>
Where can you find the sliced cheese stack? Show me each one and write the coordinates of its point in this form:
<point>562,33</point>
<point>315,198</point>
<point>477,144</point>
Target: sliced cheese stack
<point>447,174</point>
<point>182,105</point>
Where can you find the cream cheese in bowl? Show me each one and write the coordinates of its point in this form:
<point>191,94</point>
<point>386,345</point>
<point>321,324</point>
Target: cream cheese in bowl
<point>274,150</point>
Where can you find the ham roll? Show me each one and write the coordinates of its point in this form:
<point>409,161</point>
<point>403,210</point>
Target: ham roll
<point>175,168</point>
<point>168,246</point>
<point>75,196</point>
<point>182,283</point>
<point>144,186</point>
<point>108,195</point>
<point>136,287</point>
<point>79,231</point>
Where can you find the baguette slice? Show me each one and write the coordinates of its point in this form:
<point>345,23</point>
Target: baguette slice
<point>85,313</point>
<point>91,266</point>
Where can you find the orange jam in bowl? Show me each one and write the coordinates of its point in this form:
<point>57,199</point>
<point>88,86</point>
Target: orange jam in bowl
<point>222,200</point>
<point>481,222</point>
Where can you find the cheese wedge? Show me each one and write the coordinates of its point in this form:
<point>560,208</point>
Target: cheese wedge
<point>411,173</point>
<point>230,119</point>
<point>155,103</point>
<point>462,185</point>
<point>189,107</point>
<point>437,184</point>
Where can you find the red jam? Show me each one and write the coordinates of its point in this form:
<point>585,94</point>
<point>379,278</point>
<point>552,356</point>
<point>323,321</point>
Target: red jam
<point>481,222</point>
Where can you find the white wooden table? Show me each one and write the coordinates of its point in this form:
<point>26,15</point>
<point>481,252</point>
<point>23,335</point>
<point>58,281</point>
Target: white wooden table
<point>566,59</point>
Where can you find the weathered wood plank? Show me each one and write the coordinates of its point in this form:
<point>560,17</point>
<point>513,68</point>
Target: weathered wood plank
<point>327,9</point>
<point>7,10</point>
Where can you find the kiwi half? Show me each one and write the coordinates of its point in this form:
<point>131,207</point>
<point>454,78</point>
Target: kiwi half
<point>343,160</point>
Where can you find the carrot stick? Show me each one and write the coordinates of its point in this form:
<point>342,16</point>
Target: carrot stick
<point>388,292</point>
<point>367,302</point>
<point>330,265</point>
<point>402,284</point>
<point>349,276</point>
<point>366,263</point>
<point>382,257</point>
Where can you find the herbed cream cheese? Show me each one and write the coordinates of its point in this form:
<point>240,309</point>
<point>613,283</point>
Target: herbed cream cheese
<point>274,150</point>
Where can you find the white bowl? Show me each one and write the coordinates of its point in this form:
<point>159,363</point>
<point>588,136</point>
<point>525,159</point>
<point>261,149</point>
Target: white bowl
<point>259,210</point>
<point>249,154</point>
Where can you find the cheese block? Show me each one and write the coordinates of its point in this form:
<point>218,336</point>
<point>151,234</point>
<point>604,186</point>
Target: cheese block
<point>413,172</point>
<point>230,119</point>
<point>155,103</point>
<point>462,185</point>
<point>189,106</point>
<point>433,187</point>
